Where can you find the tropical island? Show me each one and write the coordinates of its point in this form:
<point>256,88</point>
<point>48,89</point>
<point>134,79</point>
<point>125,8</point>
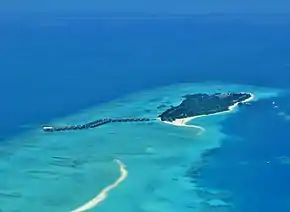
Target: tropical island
<point>192,106</point>
<point>200,104</point>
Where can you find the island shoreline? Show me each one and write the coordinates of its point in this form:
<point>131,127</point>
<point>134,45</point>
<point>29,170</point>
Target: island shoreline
<point>183,122</point>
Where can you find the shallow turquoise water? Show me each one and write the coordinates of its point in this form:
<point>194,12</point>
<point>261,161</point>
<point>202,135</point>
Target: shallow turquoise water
<point>157,157</point>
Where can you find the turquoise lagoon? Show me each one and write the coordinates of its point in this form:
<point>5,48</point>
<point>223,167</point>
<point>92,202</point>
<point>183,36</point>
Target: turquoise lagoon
<point>61,171</point>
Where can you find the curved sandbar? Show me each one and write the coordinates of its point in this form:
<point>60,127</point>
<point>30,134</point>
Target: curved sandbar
<point>183,123</point>
<point>104,193</point>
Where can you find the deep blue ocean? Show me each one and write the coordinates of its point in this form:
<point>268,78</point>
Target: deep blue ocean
<point>253,162</point>
<point>55,66</point>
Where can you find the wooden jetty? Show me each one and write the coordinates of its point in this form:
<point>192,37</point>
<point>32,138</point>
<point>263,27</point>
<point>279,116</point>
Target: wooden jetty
<point>92,124</point>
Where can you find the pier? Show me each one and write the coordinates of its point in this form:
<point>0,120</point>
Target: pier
<point>92,124</point>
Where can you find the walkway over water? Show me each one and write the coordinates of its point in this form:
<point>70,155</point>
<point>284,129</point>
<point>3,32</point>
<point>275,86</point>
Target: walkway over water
<point>93,124</point>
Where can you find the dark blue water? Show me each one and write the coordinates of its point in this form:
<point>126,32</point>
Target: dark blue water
<point>53,67</point>
<point>249,162</point>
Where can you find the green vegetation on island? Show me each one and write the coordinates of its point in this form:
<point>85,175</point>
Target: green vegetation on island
<point>203,104</point>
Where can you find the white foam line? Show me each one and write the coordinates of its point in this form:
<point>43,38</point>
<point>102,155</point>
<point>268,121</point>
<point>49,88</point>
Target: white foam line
<point>104,193</point>
<point>183,122</point>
